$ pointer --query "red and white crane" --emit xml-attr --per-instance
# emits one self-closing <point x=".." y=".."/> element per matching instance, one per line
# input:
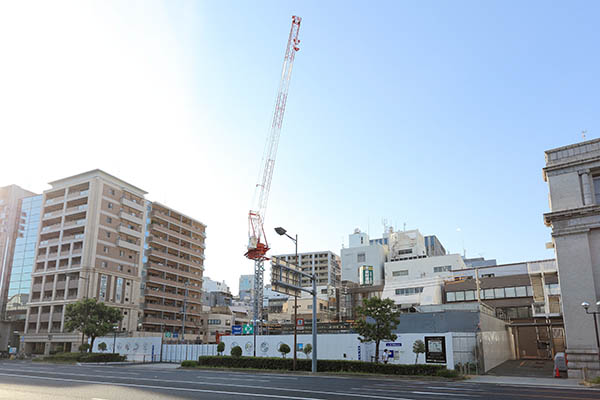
<point x="257" y="241"/>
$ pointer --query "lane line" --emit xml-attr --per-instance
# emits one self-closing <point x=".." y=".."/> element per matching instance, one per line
<point x="444" y="394"/>
<point x="347" y="394"/>
<point x="165" y="387"/>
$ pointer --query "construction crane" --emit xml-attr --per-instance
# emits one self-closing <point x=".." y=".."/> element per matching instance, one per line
<point x="257" y="241"/>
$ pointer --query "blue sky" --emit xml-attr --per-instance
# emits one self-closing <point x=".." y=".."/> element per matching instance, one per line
<point x="433" y="114"/>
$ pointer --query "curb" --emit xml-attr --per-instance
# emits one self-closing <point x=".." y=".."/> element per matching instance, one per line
<point x="108" y="363"/>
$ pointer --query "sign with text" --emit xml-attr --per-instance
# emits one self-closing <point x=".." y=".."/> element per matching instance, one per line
<point x="286" y="278"/>
<point x="435" y="349"/>
<point x="236" y="330"/>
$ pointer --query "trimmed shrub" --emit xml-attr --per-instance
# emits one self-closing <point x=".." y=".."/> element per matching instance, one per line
<point x="102" y="346"/>
<point x="221" y="348"/>
<point x="448" y="373"/>
<point x="324" y="366"/>
<point x="284" y="349"/>
<point x="236" y="352"/>
<point x="83" y="357"/>
<point x="84" y="347"/>
<point x="189" y="364"/>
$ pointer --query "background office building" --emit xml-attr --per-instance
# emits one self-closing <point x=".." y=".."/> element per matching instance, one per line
<point x="246" y="284"/>
<point x="10" y="223"/>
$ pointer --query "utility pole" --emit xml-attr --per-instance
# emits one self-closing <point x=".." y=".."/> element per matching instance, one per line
<point x="314" y="320"/>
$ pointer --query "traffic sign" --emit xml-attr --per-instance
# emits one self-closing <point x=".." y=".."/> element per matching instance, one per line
<point x="167" y="334"/>
<point x="236" y="329"/>
<point x="175" y="334"/>
<point x="248" y="329"/>
<point x="300" y="322"/>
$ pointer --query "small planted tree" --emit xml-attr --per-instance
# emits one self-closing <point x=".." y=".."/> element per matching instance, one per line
<point x="102" y="346"/>
<point x="91" y="318"/>
<point x="284" y="349"/>
<point x="307" y="349"/>
<point x="84" y="347"/>
<point x="376" y="319"/>
<point x="418" y="348"/>
<point x="236" y="352"/>
<point x="220" y="348"/>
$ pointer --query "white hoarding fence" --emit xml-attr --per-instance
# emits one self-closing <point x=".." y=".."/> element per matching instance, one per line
<point x="138" y="349"/>
<point x="177" y="353"/>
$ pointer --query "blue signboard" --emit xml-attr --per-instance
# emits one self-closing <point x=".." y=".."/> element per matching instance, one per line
<point x="236" y="329"/>
<point x="393" y="344"/>
<point x="175" y="334"/>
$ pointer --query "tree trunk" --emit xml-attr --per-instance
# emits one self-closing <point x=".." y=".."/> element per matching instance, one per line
<point x="417" y="359"/>
<point x="91" y="343"/>
<point x="376" y="351"/>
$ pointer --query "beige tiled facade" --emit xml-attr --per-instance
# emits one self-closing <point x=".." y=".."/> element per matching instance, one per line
<point x="173" y="273"/>
<point x="90" y="244"/>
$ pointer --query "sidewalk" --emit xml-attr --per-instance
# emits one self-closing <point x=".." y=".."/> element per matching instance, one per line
<point x="515" y="380"/>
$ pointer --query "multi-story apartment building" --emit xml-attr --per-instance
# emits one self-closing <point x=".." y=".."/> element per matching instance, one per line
<point x="11" y="221"/>
<point x="326" y="264"/>
<point x="173" y="267"/>
<point x="573" y="176"/>
<point x="90" y="245"/>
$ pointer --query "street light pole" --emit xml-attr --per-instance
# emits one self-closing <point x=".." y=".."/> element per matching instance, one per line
<point x="314" y="321"/>
<point x="296" y="311"/>
<point x="184" y="311"/>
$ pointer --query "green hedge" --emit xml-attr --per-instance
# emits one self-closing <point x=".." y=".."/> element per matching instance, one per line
<point x="83" y="357"/>
<point x="322" y="365"/>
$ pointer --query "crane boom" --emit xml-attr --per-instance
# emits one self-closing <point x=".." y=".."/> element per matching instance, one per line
<point x="257" y="243"/>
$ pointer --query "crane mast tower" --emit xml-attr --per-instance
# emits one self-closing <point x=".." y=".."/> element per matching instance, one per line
<point x="257" y="241"/>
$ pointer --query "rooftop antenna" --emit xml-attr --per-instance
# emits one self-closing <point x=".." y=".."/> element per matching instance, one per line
<point x="583" y="132"/>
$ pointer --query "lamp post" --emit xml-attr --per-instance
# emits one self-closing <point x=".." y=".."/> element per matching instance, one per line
<point x="187" y="282"/>
<point x="586" y="307"/>
<point x="280" y="231"/>
<point x="115" y="329"/>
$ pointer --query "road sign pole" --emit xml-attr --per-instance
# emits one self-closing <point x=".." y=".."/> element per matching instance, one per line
<point x="296" y="310"/>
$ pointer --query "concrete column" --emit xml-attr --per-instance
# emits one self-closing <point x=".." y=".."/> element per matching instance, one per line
<point x="588" y="198"/>
<point x="51" y="319"/>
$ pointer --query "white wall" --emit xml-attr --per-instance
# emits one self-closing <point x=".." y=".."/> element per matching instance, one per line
<point x="135" y="348"/>
<point x="496" y="342"/>
<point x="338" y="346"/>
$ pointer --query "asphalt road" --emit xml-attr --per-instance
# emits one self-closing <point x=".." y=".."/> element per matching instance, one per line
<point x="25" y="380"/>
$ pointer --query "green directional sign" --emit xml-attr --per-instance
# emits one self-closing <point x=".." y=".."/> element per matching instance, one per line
<point x="248" y="329"/>
<point x="167" y="334"/>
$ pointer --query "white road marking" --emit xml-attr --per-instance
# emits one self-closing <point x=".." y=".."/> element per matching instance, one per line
<point x="444" y="394"/>
<point x="214" y="384"/>
<point x="164" y="387"/>
<point x="235" y="379"/>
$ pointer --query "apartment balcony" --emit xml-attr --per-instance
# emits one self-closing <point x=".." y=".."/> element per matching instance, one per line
<point x="60" y="285"/>
<point x="49" y="242"/>
<point x="171" y="257"/>
<point x="45" y="317"/>
<point x="52" y="214"/>
<point x="169" y="322"/>
<point x="69" y="238"/>
<point x="78" y="222"/>
<point x="77" y="195"/>
<point x="55" y="200"/>
<point x="36" y="287"/>
<point x="130" y="232"/>
<point x="171" y="270"/>
<point x="75" y="209"/>
<point x="166" y="295"/>
<point x="73" y="283"/>
<point x="127" y="245"/>
<point x="132" y="204"/>
<point x="77" y="251"/>
<point x="169" y="282"/>
<point x="164" y="229"/>
<point x="162" y="307"/>
<point x="165" y="217"/>
<point x="131" y="217"/>
<point x="172" y="245"/>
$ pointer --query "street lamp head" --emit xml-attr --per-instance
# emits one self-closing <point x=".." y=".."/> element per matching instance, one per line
<point x="280" y="231"/>
<point x="585" y="305"/>
<point x="598" y="304"/>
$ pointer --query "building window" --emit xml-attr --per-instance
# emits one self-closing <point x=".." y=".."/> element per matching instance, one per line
<point x="361" y="257"/>
<point x="107" y="234"/>
<point x="108" y="220"/>
<point x="499" y="293"/>
<point x="409" y="291"/>
<point x="460" y="296"/>
<point x="105" y="249"/>
<point x="510" y="292"/>
<point x="596" y="181"/>
<point x="119" y="290"/>
<point x="450" y="297"/>
<point x="444" y="268"/>
<point x="104" y="264"/>
<point x="402" y="272"/>
<point x="469" y="295"/>
<point x="112" y="192"/>
<point x="110" y="205"/>
<point x="488" y="294"/>
<point x="521" y="291"/>
<point x="405" y="251"/>
<point x="121" y="253"/>
<point x="103" y="281"/>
